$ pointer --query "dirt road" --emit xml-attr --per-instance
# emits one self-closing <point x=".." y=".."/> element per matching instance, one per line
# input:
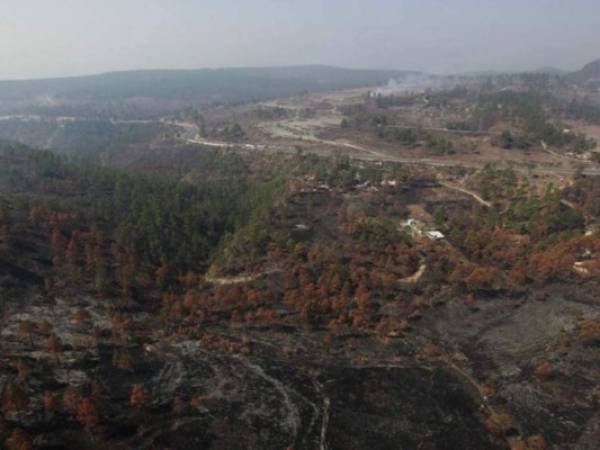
<point x="475" y="195"/>
<point x="368" y="154"/>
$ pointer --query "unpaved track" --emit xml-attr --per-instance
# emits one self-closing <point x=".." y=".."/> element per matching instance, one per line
<point x="414" y="278"/>
<point x="475" y="195"/>
<point x="238" y="279"/>
<point x="367" y="154"/>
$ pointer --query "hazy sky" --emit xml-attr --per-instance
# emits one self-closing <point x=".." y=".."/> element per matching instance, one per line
<point x="41" y="38"/>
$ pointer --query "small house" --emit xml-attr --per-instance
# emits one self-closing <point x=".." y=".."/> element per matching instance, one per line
<point x="435" y="235"/>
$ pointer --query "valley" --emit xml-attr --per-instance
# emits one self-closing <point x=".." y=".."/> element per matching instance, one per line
<point x="331" y="269"/>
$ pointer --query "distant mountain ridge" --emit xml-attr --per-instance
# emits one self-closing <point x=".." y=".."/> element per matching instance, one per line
<point x="589" y="73"/>
<point x="174" y="87"/>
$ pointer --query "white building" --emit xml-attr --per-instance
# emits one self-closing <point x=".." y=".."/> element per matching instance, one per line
<point x="434" y="235"/>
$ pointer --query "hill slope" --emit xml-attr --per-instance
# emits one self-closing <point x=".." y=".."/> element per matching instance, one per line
<point x="168" y="89"/>
<point x="589" y="73"/>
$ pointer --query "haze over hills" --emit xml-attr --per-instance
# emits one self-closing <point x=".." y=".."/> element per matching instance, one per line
<point x="98" y="113"/>
<point x="202" y="259"/>
<point x="551" y="71"/>
<point x="301" y="225"/>
<point x="590" y="72"/>
<point x="174" y="87"/>
<point x="228" y="226"/>
<point x="209" y="86"/>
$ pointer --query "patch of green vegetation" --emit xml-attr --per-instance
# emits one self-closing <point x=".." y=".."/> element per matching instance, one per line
<point x="526" y="110"/>
<point x="378" y="233"/>
<point x="86" y="139"/>
<point x="159" y="218"/>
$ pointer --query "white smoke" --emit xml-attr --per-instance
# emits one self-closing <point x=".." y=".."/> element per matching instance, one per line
<point x="414" y="83"/>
